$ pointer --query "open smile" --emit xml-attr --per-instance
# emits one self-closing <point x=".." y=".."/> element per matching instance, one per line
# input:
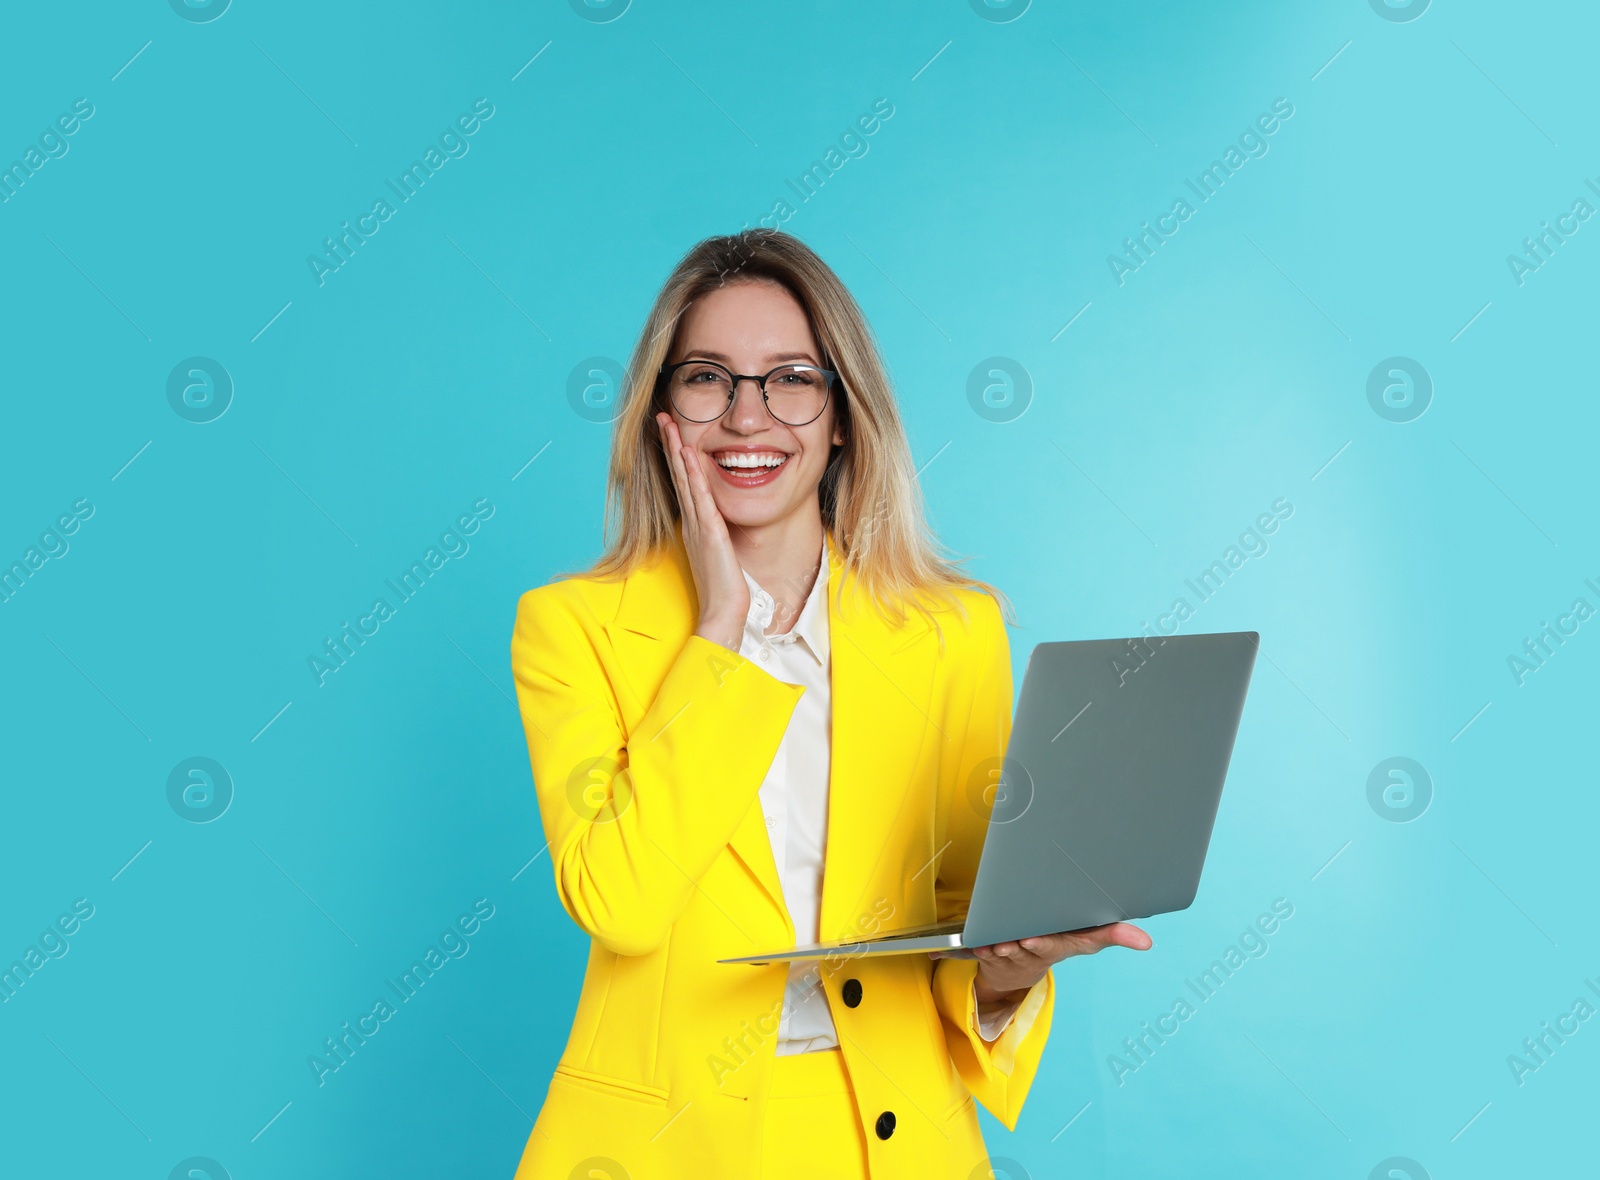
<point x="750" y="468"/>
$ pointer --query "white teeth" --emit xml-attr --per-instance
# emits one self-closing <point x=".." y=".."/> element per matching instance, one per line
<point x="744" y="460"/>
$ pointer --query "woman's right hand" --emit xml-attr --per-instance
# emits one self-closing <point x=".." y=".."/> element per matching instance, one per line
<point x="718" y="576"/>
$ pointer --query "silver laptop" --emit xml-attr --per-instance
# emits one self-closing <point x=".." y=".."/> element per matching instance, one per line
<point x="1106" y="797"/>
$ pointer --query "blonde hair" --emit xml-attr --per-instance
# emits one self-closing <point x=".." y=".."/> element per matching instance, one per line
<point x="869" y="495"/>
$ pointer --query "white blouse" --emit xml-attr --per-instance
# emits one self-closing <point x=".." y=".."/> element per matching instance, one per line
<point x="794" y="801"/>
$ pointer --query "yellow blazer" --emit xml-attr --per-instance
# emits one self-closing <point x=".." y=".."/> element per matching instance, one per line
<point x="649" y="745"/>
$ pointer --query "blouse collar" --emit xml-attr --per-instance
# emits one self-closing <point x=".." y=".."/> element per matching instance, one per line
<point x="812" y="625"/>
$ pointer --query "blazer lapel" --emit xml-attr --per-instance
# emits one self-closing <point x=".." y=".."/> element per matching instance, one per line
<point x="882" y="688"/>
<point x="882" y="685"/>
<point x="654" y="620"/>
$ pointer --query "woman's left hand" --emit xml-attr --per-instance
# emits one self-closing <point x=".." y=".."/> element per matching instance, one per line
<point x="1008" y="967"/>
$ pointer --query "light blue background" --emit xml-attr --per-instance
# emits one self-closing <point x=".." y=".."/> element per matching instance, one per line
<point x="1229" y="371"/>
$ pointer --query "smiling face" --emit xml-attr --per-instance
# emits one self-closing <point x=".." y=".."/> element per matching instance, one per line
<point x="754" y="326"/>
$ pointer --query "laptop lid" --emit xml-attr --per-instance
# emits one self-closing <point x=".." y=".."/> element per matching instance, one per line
<point x="1109" y="788"/>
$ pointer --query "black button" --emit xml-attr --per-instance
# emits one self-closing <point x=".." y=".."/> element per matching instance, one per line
<point x="852" y="993"/>
<point x="885" y="1124"/>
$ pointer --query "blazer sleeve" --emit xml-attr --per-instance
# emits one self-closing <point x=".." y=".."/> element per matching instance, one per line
<point x="999" y="1073"/>
<point x="634" y="820"/>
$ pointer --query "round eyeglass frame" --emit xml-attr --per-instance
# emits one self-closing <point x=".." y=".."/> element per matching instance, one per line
<point x="829" y="376"/>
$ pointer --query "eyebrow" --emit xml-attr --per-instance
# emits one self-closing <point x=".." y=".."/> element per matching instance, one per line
<point x="777" y="359"/>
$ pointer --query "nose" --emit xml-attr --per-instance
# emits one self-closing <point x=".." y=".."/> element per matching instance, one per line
<point x="748" y="413"/>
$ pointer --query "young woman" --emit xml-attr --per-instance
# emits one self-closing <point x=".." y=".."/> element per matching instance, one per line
<point x="772" y="713"/>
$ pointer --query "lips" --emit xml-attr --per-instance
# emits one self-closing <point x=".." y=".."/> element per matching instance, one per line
<point x="750" y="468"/>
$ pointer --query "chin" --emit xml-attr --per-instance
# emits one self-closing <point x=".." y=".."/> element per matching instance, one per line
<point x="750" y="516"/>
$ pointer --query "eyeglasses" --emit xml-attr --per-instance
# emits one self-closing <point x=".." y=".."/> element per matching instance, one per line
<point x="702" y="391"/>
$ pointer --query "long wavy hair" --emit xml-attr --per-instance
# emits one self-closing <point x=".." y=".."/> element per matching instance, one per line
<point x="869" y="495"/>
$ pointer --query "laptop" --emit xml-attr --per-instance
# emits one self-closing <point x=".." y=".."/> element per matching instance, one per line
<point x="1104" y="803"/>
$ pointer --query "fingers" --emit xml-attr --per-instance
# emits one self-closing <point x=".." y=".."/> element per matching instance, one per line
<point x="1111" y="934"/>
<point x="1052" y="948"/>
<point x="1056" y="947"/>
<point x="1002" y="950"/>
<point x="672" y="444"/>
<point x="719" y="582"/>
<point x="1128" y="935"/>
<point x="705" y="504"/>
<point x="1008" y="967"/>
